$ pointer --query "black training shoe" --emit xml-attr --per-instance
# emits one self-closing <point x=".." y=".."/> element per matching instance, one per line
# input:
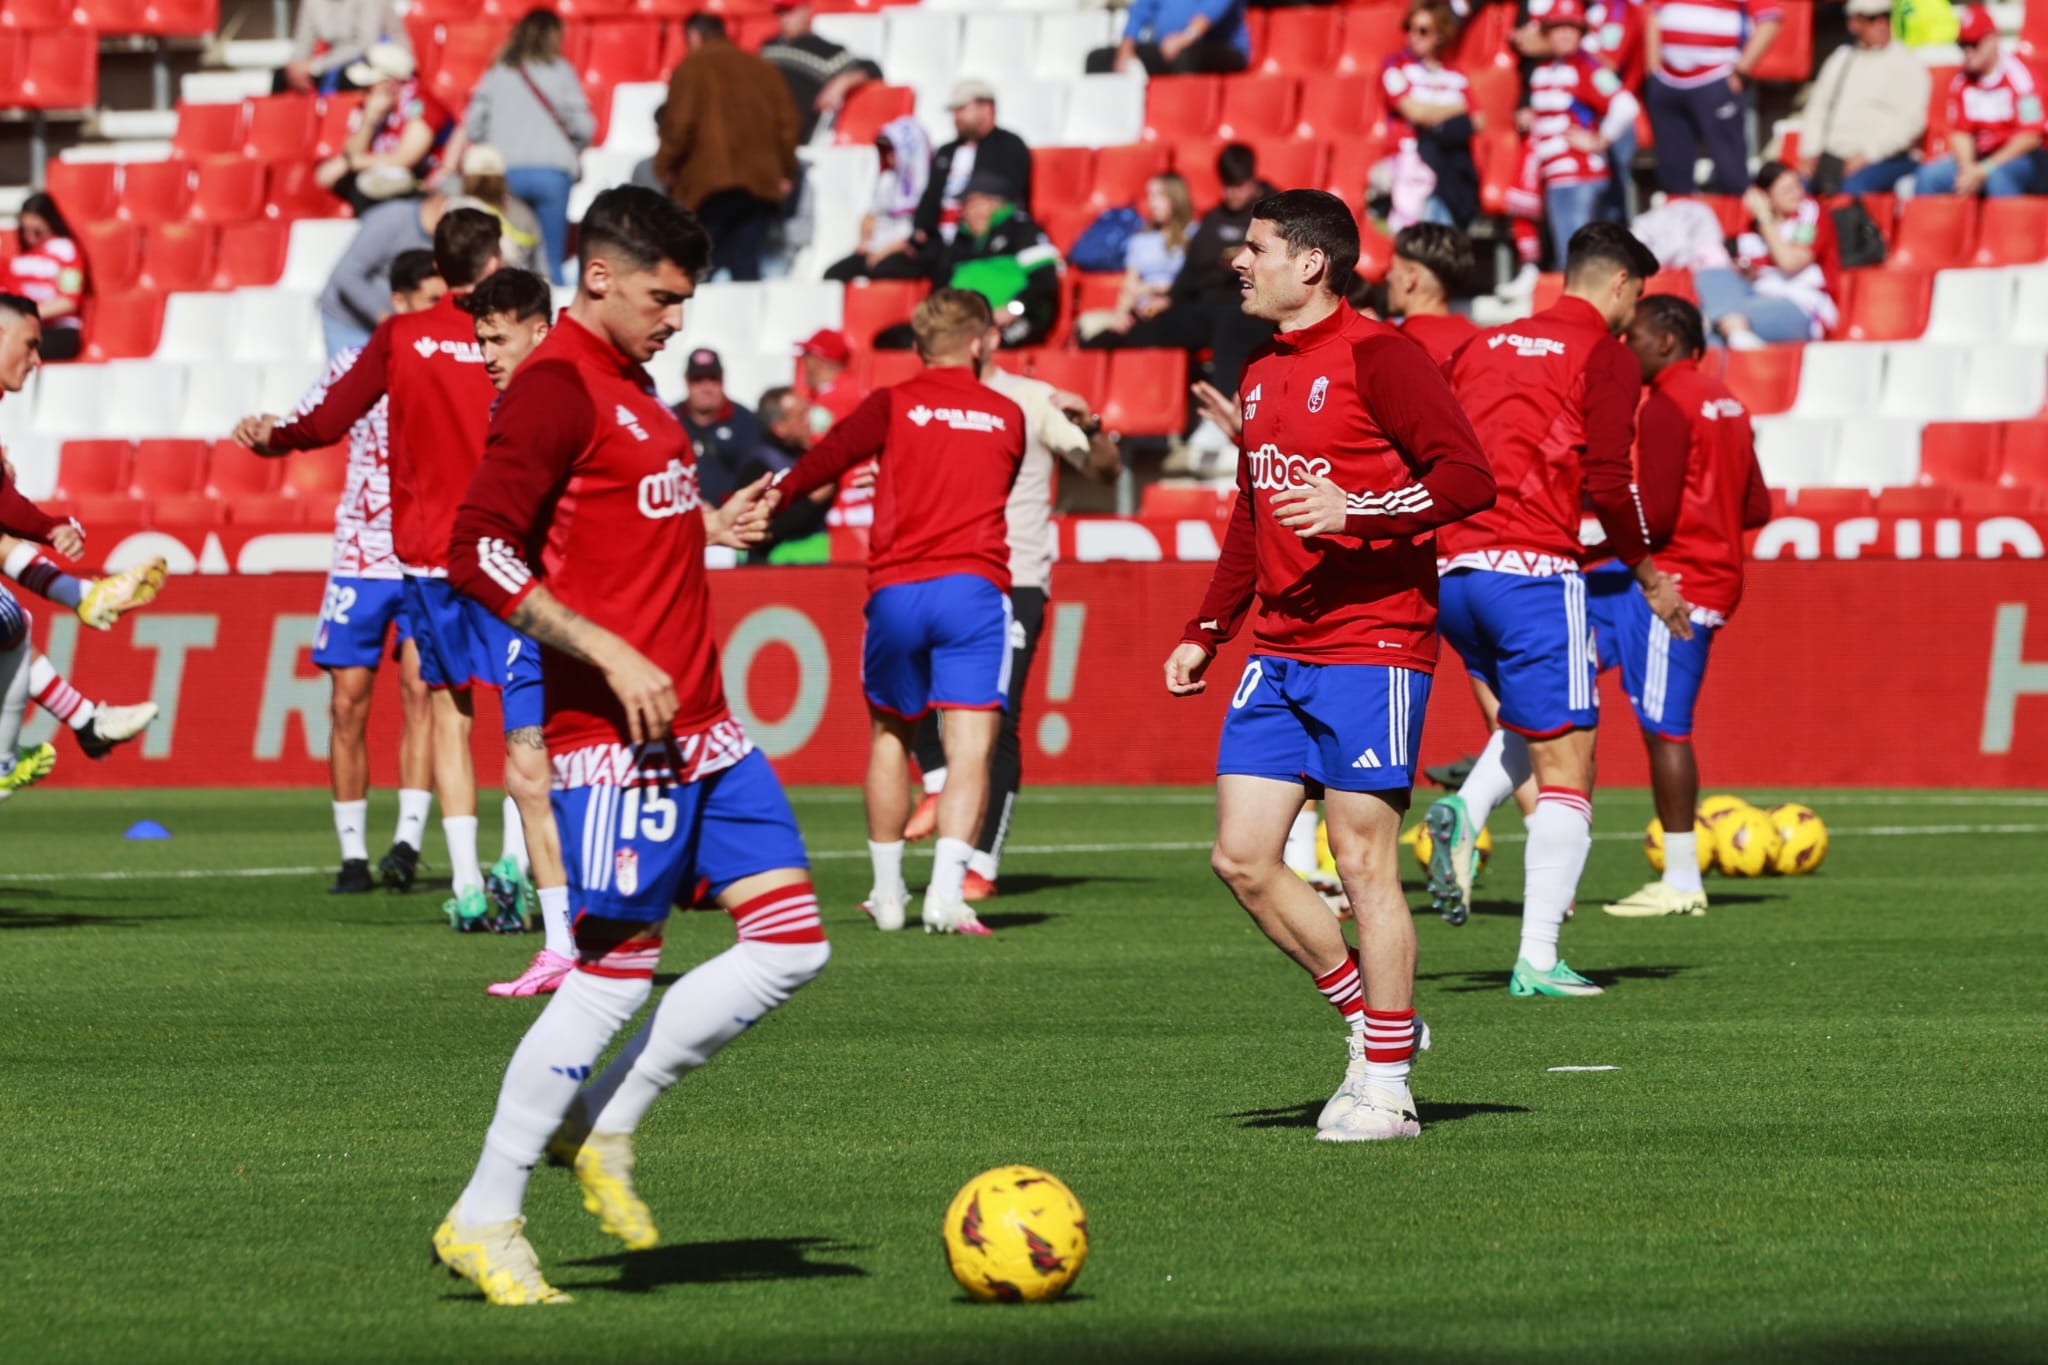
<point x="1451" y="776"/>
<point x="354" y="879"/>
<point x="399" y="868"/>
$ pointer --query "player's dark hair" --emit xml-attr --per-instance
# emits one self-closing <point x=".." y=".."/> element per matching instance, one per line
<point x="702" y="26"/>
<point x="45" y="208"/>
<point x="1315" y="220"/>
<point x="641" y="228"/>
<point x="773" y="402"/>
<point x="1440" y="249"/>
<point x="521" y="293"/>
<point x="465" y="242"/>
<point x="1237" y="164"/>
<point x="15" y="307"/>
<point x="1610" y="245"/>
<point x="1676" y="318"/>
<point x="411" y="269"/>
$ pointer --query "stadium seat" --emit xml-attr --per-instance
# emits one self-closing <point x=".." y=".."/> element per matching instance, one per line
<point x="113" y="514"/>
<point x="1060" y="176"/>
<point x="1293" y="160"/>
<point x="2022" y="456"/>
<point x="996" y="42"/>
<point x="1496" y="90"/>
<point x="251" y="253"/>
<point x="180" y="18"/>
<point x="1796" y="452"/>
<point x="273" y="324"/>
<point x="168" y="468"/>
<point x="1033" y="109"/>
<point x="1789" y="58"/>
<point x="1485" y="40"/>
<point x="1889" y="304"/>
<point x="1105" y="111"/>
<point x="208" y="130"/>
<point x="1350" y="165"/>
<point x="466" y="52"/>
<point x="1254" y="107"/>
<point x="84" y="190"/>
<point x="1082" y="372"/>
<point x="125" y="326"/>
<point x="1872" y="452"/>
<point x="1194" y="160"/>
<point x="156" y="191"/>
<point x="1147" y="393"/>
<point x="1065" y="225"/>
<point x="234" y="472"/>
<point x="294" y="194"/>
<point x="2012" y="231"/>
<point x="179" y="256"/>
<point x="793" y="309"/>
<point x="1923" y="381"/>
<point x="1935" y="230"/>
<point x="620" y="50"/>
<point x="189" y="510"/>
<point x="69" y="399"/>
<point x="113" y="253"/>
<point x="1833" y="502"/>
<point x="1093" y="290"/>
<point x="2005" y="382"/>
<point x="1120" y="173"/>
<point x="60" y="70"/>
<point x="310" y="474"/>
<point x="725" y="317"/>
<point x="1065" y="40"/>
<point x="630" y="128"/>
<point x="1339" y="107"/>
<point x="36" y="14"/>
<point x="142" y="398"/>
<point x="1179" y="107"/>
<point x="1372" y="33"/>
<point x="920" y="46"/>
<point x="217" y="397"/>
<point x="1299" y="41"/>
<point x="278" y="128"/>
<point x="884" y="368"/>
<point x="93" y="468"/>
<point x="1675" y="281"/>
<point x="334" y="116"/>
<point x="266" y="509"/>
<point x="860" y="34"/>
<point x="868" y="108"/>
<point x="1767" y="381"/>
<point x="196" y="327"/>
<point x="285" y="382"/>
<point x="1837" y="379"/>
<point x="1954" y="453"/>
<point x="1971" y="305"/>
<point x="1375" y="252"/>
<point x="228" y="189"/>
<point x="314" y="248"/>
<point x="1921" y="500"/>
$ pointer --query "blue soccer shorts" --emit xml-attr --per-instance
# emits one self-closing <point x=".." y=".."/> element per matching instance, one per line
<point x="1347" y="727"/>
<point x="460" y="643"/>
<point x="356" y="616"/>
<point x="522" y="700"/>
<point x="633" y="852"/>
<point x="1529" y="640"/>
<point x="1661" y="674"/>
<point x="942" y="643"/>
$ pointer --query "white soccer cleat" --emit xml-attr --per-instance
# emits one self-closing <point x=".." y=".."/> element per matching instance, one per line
<point x="887" y="911"/>
<point x="112" y="725"/>
<point x="1656" y="900"/>
<point x="1355" y="1083"/>
<point x="953" y="917"/>
<point x="1376" y="1115"/>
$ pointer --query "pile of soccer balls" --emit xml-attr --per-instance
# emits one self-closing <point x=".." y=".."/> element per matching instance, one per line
<point x="1741" y="840"/>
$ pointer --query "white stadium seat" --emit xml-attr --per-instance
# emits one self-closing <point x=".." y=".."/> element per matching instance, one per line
<point x="1104" y="111"/>
<point x="70" y="399"/>
<point x="603" y="167"/>
<point x="196" y="327"/>
<point x="18" y="410"/>
<point x="223" y="87"/>
<point x="1971" y="305"/>
<point x="996" y="43"/>
<point x="933" y="115"/>
<point x="275" y="324"/>
<point x="1034" y="110"/>
<point x="1065" y="40"/>
<point x="725" y="317"/>
<point x="838" y="188"/>
<point x="285" y="382"/>
<point x="749" y="374"/>
<point x="920" y="48"/>
<point x="2006" y="383"/>
<point x="140" y="398"/>
<point x="1796" y="452"/>
<point x="1921" y="380"/>
<point x="793" y="309"/>
<point x="1840" y="379"/>
<point x="2030" y="304"/>
<point x="1876" y="453"/>
<point x="860" y="34"/>
<point x="633" y="107"/>
<point x="217" y="397"/>
<point x="316" y="246"/>
<point x="34" y="458"/>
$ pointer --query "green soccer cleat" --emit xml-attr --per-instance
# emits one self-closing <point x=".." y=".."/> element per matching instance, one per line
<point x="1559" y="980"/>
<point x="511" y="895"/>
<point x="1453" y="857"/>
<point x="468" y="913"/>
<point x="30" y="767"/>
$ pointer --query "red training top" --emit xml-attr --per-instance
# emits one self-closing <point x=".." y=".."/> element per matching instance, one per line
<point x="23" y="519"/>
<point x="1440" y="334"/>
<point x="1723" y="493"/>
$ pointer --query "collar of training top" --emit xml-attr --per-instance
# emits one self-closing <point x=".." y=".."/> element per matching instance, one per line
<point x="1569" y="304"/>
<point x="1319" y="331"/>
<point x="595" y="347"/>
<point x="1673" y="371"/>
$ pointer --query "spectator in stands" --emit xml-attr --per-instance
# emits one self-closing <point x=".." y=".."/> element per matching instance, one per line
<point x="1152" y="260"/>
<point x="484" y="186"/>
<point x="1178" y="37"/>
<point x="1002" y="255"/>
<point x="980" y="146"/>
<point x="1700" y="54"/>
<point x="826" y="357"/>
<point x="332" y="35"/>
<point x="1578" y="110"/>
<point x="1782" y="286"/>
<point x="728" y="143"/>
<point x="821" y="73"/>
<point x="398" y="137"/>
<point x="1867" y="112"/>
<point x="358" y="295"/>
<point x="1431" y="175"/>
<point x="1432" y="265"/>
<point x="888" y="229"/>
<point x="49" y="271"/>
<point x="796" y="533"/>
<point x="1994" y="120"/>
<point x="724" y="433"/>
<point x="531" y="107"/>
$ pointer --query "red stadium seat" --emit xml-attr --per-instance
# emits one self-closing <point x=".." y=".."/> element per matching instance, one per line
<point x="1372" y="33"/>
<point x="1121" y="172"/>
<point x="84" y="190"/>
<point x="1938" y="78"/>
<point x="1065" y="225"/>
<point x="180" y="18"/>
<point x="1833" y="502"/>
<point x="622" y="50"/>
<point x="271" y="509"/>
<point x="1484" y="40"/>
<point x="278" y="128"/>
<point x="36" y="14"/>
<point x="1181" y="107"/>
<point x="1727" y="208"/>
<point x="1089" y="291"/>
<point x="1194" y="160"/>
<point x="1767" y="380"/>
<point x="1935" y="231"/>
<point x="1997" y="500"/>
<point x="1256" y="107"/>
<point x="1923" y="501"/>
<point x="1375" y="251"/>
<point x="1549" y="289"/>
<point x="113" y="513"/>
<point x="13" y="65"/>
<point x="1497" y="156"/>
<point x="1673" y="280"/>
<point x="1339" y="107"/>
<point x="1889" y="303"/>
<point x="872" y="305"/>
<point x="1351" y="163"/>
<point x="1496" y="90"/>
<point x="60" y="70"/>
<point x="156" y="191"/>
<point x="1299" y="41"/>
<point x="890" y="367"/>
<point x="1147" y="393"/>
<point x="179" y="256"/>
<point x="192" y="510"/>
<point x="868" y="108"/>
<point x="168" y="468"/>
<point x="251" y="253"/>
<point x="208" y="129"/>
<point x="1789" y="58"/>
<point x="294" y="193"/>
<point x="233" y="471"/>
<point x="113" y="253"/>
<point x="466" y="52"/>
<point x="1082" y="372"/>
<point x="2022" y="462"/>
<point x="2012" y="232"/>
<point x="1177" y="502"/>
<point x="1060" y="176"/>
<point x="1294" y="162"/>
<point x="114" y="16"/>
<point x="311" y="474"/>
<point x="93" y="468"/>
<point x="1955" y="453"/>
<point x="333" y="118"/>
<point x="124" y="326"/>
<point x="228" y="189"/>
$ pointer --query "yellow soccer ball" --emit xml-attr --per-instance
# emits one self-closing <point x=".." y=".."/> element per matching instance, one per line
<point x="1714" y="808"/>
<point x="1703" y="842"/>
<point x="1746" y="844"/>
<point x="1015" y="1235"/>
<point x="1421" y="845"/>
<point x="1802" y="839"/>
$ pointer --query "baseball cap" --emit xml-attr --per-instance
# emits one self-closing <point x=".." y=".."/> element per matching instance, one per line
<point x="704" y="364"/>
<point x="990" y="182"/>
<point x="1562" y="12"/>
<point x="383" y="62"/>
<point x="1976" y="24"/>
<point x="967" y="92"/>
<point x="826" y="344"/>
<point x="481" y="158"/>
<point x="1868" y="9"/>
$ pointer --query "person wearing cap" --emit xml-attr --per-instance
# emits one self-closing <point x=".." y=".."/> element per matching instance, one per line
<point x="1179" y="37"/>
<point x="1867" y="114"/>
<point x="728" y="143"/>
<point x="821" y="73"/>
<point x="724" y="434"/>
<point x="980" y="146"/>
<point x="825" y="357"/>
<point x="531" y="107"/>
<point x="484" y="186"/>
<point x="398" y="137"/>
<point x="1578" y="110"/>
<point x="1994" y="121"/>
<point x="332" y="35"/>
<point x="1002" y="255"/>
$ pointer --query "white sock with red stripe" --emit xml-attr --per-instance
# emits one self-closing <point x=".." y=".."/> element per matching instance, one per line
<point x="1390" y="1037"/>
<point x="949" y="870"/>
<point x="1342" y="988"/>
<point x="27" y="565"/>
<point x="56" y="695"/>
<point x="1560" y="837"/>
<point x="1300" y="852"/>
<point x="1502" y="766"/>
<point x="782" y="946"/>
<point x="464" y="873"/>
<point x="552" y="1062"/>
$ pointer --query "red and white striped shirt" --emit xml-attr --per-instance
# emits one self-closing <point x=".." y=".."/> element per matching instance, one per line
<point x="1994" y="109"/>
<point x="1405" y="77"/>
<point x="1571" y="92"/>
<point x="1700" y="41"/>
<point x="362" y="519"/>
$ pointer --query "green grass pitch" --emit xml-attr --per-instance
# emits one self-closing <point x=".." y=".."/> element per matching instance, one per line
<point x="234" y="1108"/>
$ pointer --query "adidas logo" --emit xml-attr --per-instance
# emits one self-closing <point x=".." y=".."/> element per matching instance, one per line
<point x="631" y="423"/>
<point x="1368" y="759"/>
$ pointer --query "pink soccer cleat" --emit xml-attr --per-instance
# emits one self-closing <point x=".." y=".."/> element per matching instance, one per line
<point x="544" y="976"/>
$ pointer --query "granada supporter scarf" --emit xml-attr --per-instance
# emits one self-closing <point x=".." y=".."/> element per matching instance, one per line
<point x="1000" y="279"/>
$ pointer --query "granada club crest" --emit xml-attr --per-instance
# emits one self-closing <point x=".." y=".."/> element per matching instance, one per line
<point x="1317" y="392"/>
<point x="626" y="871"/>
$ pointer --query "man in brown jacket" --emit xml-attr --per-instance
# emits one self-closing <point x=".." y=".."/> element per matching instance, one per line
<point x="728" y="143"/>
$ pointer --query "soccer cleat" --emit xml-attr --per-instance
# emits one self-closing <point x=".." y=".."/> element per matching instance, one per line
<point x="956" y="918"/>
<point x="924" y="820"/>
<point x="398" y="868"/>
<point x="468" y="913"/>
<point x="1659" y="898"/>
<point x="978" y="888"/>
<point x="497" y="1259"/>
<point x="603" y="1163"/>
<point x="543" y="976"/>
<point x="1559" y="980"/>
<point x="887" y="911"/>
<point x="30" y="767"/>
<point x="354" y="879"/>
<point x="108" y="597"/>
<point x="1374" y="1116"/>
<point x="112" y="725"/>
<point x="1451" y="776"/>
<point x="511" y="895"/>
<point x="1355" y="1083"/>
<point x="1453" y="852"/>
<point x="1339" y="903"/>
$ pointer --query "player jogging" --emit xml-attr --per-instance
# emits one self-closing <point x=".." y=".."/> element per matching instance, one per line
<point x="583" y="528"/>
<point x="938" y="613"/>
<point x="1554" y="399"/>
<point x="1355" y="451"/>
<point x="99" y="727"/>
<point x="1693" y="425"/>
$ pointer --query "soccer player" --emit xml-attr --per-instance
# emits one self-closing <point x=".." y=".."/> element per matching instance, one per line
<point x="1354" y="452"/>
<point x="99" y="602"/>
<point x="1432" y="265"/>
<point x="511" y="309"/>
<point x="939" y="620"/>
<point x="363" y="604"/>
<point x="430" y="366"/>
<point x="583" y="529"/>
<point x="1693" y="426"/>
<point x="1058" y="427"/>
<point x="1554" y="399"/>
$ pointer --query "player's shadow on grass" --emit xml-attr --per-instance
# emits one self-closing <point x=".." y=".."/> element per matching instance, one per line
<point x="1024" y="883"/>
<point x="13" y="917"/>
<point x="1494" y="981"/>
<point x="754" y="1258"/>
<point x="1303" y="1115"/>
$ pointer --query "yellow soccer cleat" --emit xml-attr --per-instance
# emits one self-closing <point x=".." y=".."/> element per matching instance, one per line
<point x="603" y="1164"/>
<point x="1657" y="900"/>
<point x="30" y="767"/>
<point x="133" y="587"/>
<point x="497" y="1259"/>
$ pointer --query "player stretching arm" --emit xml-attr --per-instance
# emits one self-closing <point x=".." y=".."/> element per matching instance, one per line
<point x="1355" y="450"/>
<point x="583" y="528"/>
